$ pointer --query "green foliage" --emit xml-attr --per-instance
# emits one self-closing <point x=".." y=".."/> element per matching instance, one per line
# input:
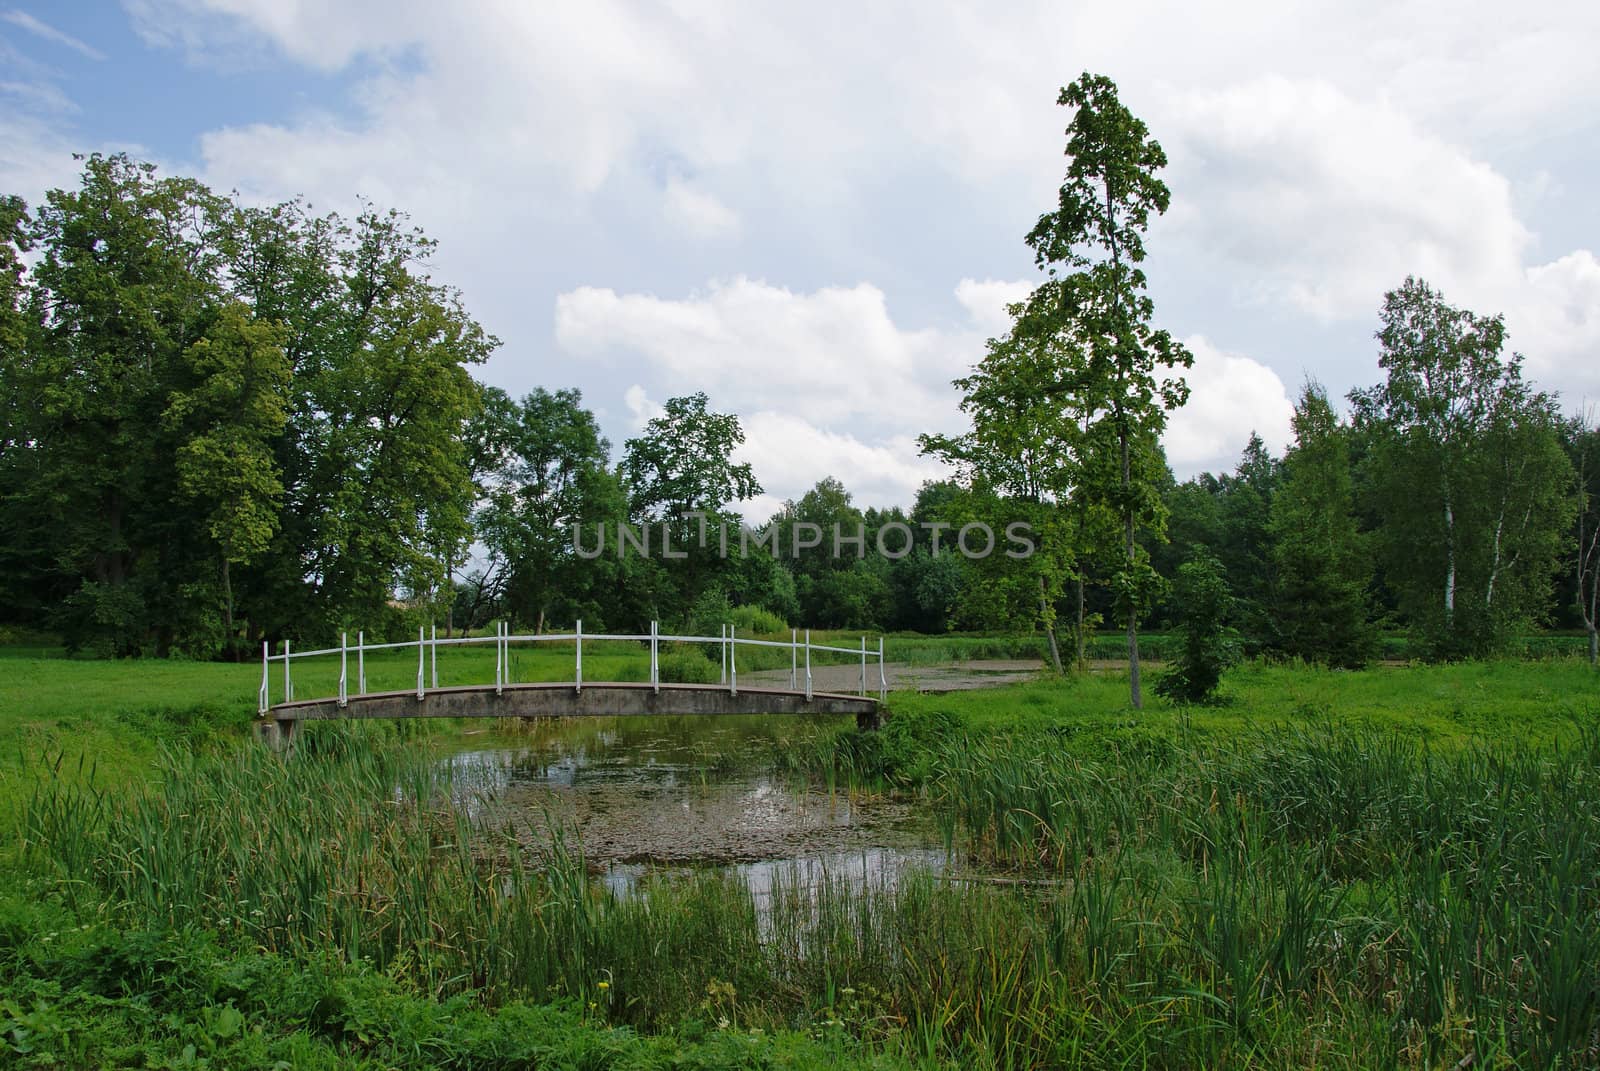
<point x="1118" y="381"/>
<point x="1321" y="566"/>
<point x="225" y="420"/>
<point x="1207" y="643"/>
<point x="544" y="472"/>
<point x="1466" y="473"/>
<point x="756" y="621"/>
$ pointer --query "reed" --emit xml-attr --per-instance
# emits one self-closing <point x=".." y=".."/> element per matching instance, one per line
<point x="1347" y="898"/>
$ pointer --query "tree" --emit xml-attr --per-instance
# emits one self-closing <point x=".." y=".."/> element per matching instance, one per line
<point x="375" y="460"/>
<point x="1585" y="450"/>
<point x="230" y="419"/>
<point x="681" y="466"/>
<point x="128" y="279"/>
<point x="1467" y="468"/>
<point x="221" y="421"/>
<point x="1246" y="550"/>
<point x="1024" y="452"/>
<point x="1321" y="566"/>
<point x="546" y="483"/>
<point x="1100" y="306"/>
<point x="1207" y="645"/>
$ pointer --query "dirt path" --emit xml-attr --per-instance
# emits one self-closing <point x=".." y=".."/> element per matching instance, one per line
<point x="950" y="677"/>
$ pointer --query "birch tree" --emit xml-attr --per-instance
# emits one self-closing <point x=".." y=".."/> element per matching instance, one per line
<point x="1585" y="449"/>
<point x="1468" y="471"/>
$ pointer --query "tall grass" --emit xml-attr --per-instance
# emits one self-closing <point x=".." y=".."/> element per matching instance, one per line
<point x="1343" y="899"/>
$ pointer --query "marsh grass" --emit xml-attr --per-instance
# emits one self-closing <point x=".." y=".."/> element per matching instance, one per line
<point x="1348" y="898"/>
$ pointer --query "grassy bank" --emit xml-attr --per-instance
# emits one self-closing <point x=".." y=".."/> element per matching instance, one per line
<point x="1399" y="867"/>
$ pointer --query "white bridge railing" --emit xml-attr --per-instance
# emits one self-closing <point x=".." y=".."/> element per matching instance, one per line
<point x="427" y="646"/>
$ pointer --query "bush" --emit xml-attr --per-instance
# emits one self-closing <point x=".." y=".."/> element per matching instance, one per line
<point x="1206" y="645"/>
<point x="688" y="666"/>
<point x="756" y="621"/>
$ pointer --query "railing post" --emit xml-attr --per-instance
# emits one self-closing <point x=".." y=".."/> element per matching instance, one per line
<point x="722" y="642"/>
<point x="655" y="657"/>
<point x="434" y="630"/>
<point x="361" y="663"/>
<point x="263" y="700"/>
<point x="808" y="665"/>
<point x="499" y="657"/>
<point x="288" y="683"/>
<point x="794" y="659"/>
<point x="344" y="668"/>
<point x="863" y="666"/>
<point x="883" y="682"/>
<point x="422" y="650"/>
<point x="578" y="683"/>
<point x="733" y="663"/>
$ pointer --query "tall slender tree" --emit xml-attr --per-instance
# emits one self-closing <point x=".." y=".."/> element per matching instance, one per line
<point x="1321" y="566"/>
<point x="1124" y="375"/>
<point x="1584" y="445"/>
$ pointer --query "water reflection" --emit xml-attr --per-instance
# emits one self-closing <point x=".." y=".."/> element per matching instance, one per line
<point x="652" y="796"/>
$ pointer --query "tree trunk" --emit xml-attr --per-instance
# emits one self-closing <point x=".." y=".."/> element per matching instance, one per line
<point x="230" y="650"/>
<point x="1049" y="620"/>
<point x="1594" y="646"/>
<point x="1082" y="660"/>
<point x="1135" y="690"/>
<point x="1450" y="561"/>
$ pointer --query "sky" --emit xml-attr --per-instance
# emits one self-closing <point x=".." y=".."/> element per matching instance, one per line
<point x="814" y="213"/>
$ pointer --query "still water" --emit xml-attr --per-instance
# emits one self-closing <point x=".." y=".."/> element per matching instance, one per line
<point x="648" y="798"/>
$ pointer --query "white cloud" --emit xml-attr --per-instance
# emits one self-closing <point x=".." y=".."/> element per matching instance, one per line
<point x="1325" y="200"/>
<point x="1554" y="320"/>
<point x="39" y="28"/>
<point x="697" y="212"/>
<point x="833" y="355"/>
<point x="1229" y="397"/>
<point x="640" y="407"/>
<point x="986" y="302"/>
<point x="789" y="455"/>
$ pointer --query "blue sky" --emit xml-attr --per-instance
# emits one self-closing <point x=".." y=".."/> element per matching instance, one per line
<point x="814" y="213"/>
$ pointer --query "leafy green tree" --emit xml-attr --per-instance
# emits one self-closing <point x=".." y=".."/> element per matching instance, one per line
<point x="548" y="481"/>
<point x="1468" y="474"/>
<point x="1120" y="364"/>
<point x="684" y="462"/>
<point x="230" y="418"/>
<point x="375" y="459"/>
<point x="1021" y="457"/>
<point x="29" y="579"/>
<point x="682" y="479"/>
<point x="1207" y="644"/>
<point x="126" y="282"/>
<point x="1322" y="569"/>
<point x="1584" y="449"/>
<point x="1246" y="549"/>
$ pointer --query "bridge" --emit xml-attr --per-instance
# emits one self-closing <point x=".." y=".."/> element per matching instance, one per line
<point x="277" y="723"/>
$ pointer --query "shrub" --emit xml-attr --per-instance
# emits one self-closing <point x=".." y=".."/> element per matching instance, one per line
<point x="1206" y="645"/>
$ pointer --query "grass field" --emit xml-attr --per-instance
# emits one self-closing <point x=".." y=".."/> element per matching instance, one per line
<point x="1393" y="867"/>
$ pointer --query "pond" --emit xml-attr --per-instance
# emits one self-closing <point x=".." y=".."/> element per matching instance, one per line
<point x="647" y="798"/>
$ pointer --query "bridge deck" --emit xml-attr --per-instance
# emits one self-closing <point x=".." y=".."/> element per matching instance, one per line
<point x="566" y="700"/>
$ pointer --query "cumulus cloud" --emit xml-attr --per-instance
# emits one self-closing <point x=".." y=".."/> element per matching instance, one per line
<point x="790" y="454"/>
<point x="986" y="302"/>
<point x="834" y="355"/>
<point x="1229" y="397"/>
<point x="1324" y="200"/>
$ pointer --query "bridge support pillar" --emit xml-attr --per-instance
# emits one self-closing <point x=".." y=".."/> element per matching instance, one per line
<point x="869" y="720"/>
<point x="278" y="733"/>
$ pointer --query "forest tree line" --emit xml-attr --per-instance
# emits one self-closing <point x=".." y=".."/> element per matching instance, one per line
<point x="221" y="423"/>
